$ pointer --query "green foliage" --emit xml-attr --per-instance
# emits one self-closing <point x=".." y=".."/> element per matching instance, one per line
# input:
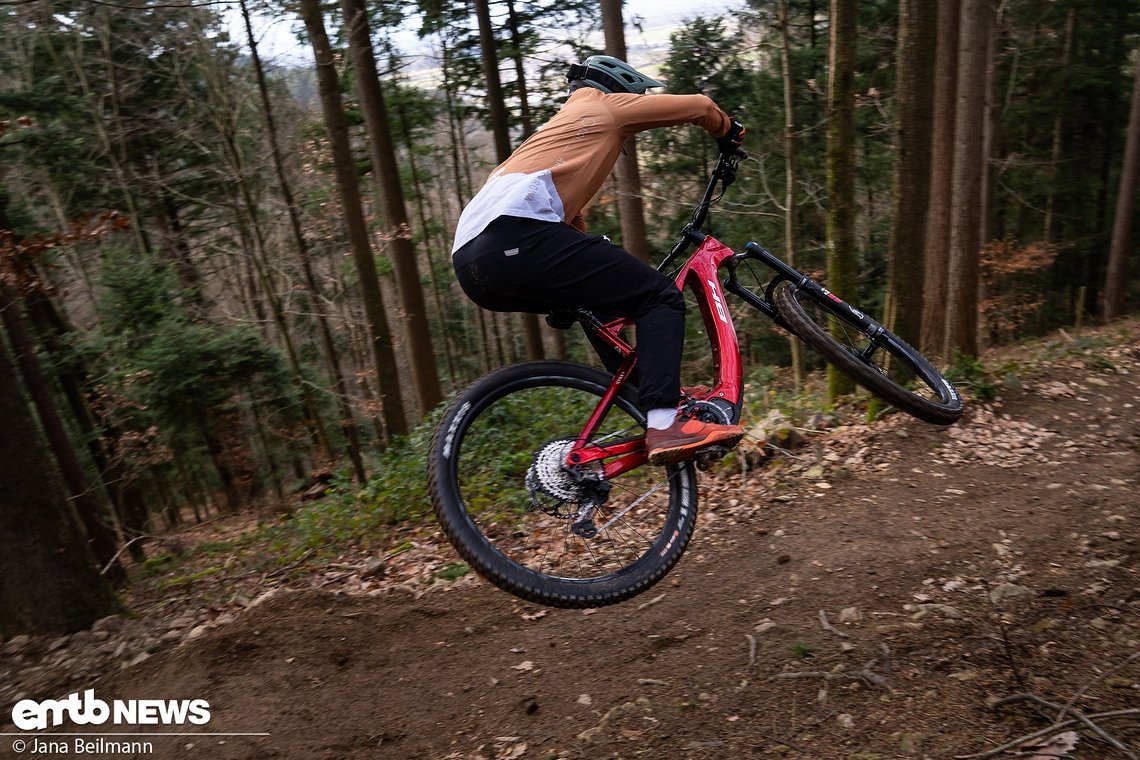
<point x="401" y="548"/>
<point x="355" y="514"/>
<point x="453" y="571"/>
<point x="172" y="365"/>
<point x="186" y="580"/>
<point x="159" y="564"/>
<point x="358" y="515"/>
<point x="704" y="56"/>
<point x="193" y="366"/>
<point x="969" y="373"/>
<point x="137" y="293"/>
<point x="802" y="650"/>
<point x="766" y="389"/>
<point x="174" y="381"/>
<point x="1081" y="345"/>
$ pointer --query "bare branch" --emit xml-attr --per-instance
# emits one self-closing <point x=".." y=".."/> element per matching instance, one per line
<point x="1080" y="692"/>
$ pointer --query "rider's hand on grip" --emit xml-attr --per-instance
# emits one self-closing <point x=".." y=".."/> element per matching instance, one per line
<point x="730" y="143"/>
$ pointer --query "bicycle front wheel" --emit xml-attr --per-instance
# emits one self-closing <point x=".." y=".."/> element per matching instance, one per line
<point x="564" y="537"/>
<point x="870" y="355"/>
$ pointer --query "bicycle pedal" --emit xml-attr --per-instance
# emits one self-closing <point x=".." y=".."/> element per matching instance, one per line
<point x="706" y="457"/>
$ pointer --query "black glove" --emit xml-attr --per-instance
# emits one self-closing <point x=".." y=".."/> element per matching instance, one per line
<point x="732" y="139"/>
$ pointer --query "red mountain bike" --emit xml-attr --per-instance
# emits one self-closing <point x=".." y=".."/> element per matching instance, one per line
<point x="538" y="471"/>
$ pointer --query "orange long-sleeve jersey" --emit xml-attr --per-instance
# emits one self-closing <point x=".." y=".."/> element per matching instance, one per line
<point x="556" y="171"/>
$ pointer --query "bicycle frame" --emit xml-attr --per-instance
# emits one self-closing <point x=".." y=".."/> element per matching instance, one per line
<point x="582" y="525"/>
<point x="699" y="273"/>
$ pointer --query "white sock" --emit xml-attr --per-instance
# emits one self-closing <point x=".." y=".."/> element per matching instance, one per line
<point x="662" y="418"/>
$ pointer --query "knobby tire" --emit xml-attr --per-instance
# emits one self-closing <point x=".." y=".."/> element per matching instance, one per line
<point x="483" y="452"/>
<point x="896" y="373"/>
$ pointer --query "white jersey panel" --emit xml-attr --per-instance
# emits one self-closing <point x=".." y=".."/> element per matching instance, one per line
<point x="531" y="196"/>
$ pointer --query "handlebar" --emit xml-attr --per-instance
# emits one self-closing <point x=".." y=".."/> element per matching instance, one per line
<point x="724" y="173"/>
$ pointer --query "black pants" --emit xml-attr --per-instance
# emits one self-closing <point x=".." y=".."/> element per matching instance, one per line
<point x="533" y="266"/>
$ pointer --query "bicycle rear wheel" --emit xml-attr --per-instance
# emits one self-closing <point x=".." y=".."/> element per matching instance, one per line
<point x="869" y="354"/>
<point x="508" y="504"/>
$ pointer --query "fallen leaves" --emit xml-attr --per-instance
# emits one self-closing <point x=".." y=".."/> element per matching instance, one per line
<point x="1056" y="746"/>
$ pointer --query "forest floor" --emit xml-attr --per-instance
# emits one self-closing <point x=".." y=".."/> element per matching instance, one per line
<point x="874" y="595"/>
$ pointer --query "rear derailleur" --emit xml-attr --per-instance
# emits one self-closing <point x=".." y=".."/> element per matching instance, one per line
<point x="595" y="490"/>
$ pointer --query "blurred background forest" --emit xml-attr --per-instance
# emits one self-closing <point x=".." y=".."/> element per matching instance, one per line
<point x="224" y="279"/>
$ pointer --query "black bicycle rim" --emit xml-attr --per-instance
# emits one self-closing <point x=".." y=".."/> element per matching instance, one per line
<point x="485" y="449"/>
<point x="883" y="363"/>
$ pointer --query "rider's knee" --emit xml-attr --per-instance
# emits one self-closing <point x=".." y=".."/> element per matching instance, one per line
<point x="671" y="298"/>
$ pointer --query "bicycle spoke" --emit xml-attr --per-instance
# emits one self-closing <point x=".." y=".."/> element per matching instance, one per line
<point x="870" y="355"/>
<point x="514" y="450"/>
<point x="870" y="351"/>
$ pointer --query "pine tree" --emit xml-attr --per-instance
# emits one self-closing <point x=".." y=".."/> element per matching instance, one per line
<point x="380" y="335"/>
<point x="48" y="579"/>
<point x="966" y="215"/>
<point x="841" y="254"/>
<point x="1116" y="279"/>
<point x="911" y="183"/>
<point x="386" y="175"/>
<point x="937" y="243"/>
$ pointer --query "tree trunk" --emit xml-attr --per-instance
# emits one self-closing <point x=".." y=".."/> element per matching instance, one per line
<point x="104" y="543"/>
<point x="500" y="129"/>
<point x="256" y="258"/>
<point x="532" y="333"/>
<point x="54" y="332"/>
<point x="534" y="328"/>
<point x="989" y="131"/>
<point x="520" y="71"/>
<point x="332" y="357"/>
<point x="423" y="212"/>
<point x="309" y="405"/>
<point x="630" y="207"/>
<point x="965" y="221"/>
<point x="911" y="182"/>
<point x="174" y="247"/>
<point x="841" y="256"/>
<point x="790" y="175"/>
<point x="386" y="175"/>
<point x="1116" y="279"/>
<point x="383" y="353"/>
<point x="941" y="179"/>
<point x="1047" y="232"/>
<point x="459" y="167"/>
<point x="48" y="579"/>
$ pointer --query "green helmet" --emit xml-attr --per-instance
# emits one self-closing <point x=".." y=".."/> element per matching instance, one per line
<point x="609" y="74"/>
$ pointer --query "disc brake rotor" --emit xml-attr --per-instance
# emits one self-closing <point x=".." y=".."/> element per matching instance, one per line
<point x="716" y="411"/>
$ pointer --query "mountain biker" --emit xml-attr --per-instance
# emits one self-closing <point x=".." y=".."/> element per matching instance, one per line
<point x="521" y="243"/>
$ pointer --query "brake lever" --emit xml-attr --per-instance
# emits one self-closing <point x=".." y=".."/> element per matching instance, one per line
<point x="728" y="166"/>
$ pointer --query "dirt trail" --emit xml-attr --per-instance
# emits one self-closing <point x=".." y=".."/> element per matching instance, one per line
<point x="951" y="566"/>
